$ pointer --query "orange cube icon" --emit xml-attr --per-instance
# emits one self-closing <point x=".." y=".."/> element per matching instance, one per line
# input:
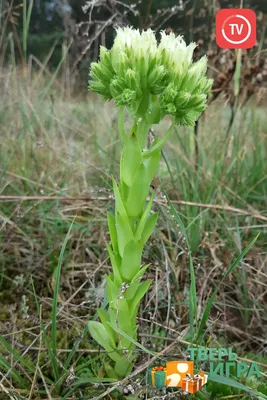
<point x="177" y="371"/>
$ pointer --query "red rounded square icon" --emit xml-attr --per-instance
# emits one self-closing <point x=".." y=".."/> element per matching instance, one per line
<point x="236" y="28"/>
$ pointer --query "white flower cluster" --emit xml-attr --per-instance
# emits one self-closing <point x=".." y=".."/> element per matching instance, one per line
<point x="152" y="79"/>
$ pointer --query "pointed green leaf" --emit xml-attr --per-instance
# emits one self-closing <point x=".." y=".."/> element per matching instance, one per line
<point x="138" y="192"/>
<point x="109" y="370"/>
<point x="124" y="232"/>
<point x="101" y="336"/>
<point x="112" y="231"/>
<point x="141" y="272"/>
<point x="148" y="228"/>
<point x="151" y="163"/>
<point x="123" y="317"/>
<point x="118" y="200"/>
<point x="131" y="260"/>
<point x="141" y="291"/>
<point x="104" y="317"/>
<point x="123" y="367"/>
<point x="130" y="292"/>
<point x="115" y="266"/>
<point x="126" y="343"/>
<point x="124" y="189"/>
<point x="144" y="217"/>
<point x="113" y="313"/>
<point x="131" y="159"/>
<point x="112" y="290"/>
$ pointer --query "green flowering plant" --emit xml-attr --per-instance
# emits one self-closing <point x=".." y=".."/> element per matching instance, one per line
<point x="149" y="81"/>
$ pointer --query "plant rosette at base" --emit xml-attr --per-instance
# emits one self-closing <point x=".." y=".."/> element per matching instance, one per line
<point x="148" y="81"/>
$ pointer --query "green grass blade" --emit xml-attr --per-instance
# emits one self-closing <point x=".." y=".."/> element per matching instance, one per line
<point x="84" y="382"/>
<point x="231" y="382"/>
<point x="45" y="338"/>
<point x="212" y="297"/>
<point x="74" y="349"/>
<point x="193" y="291"/>
<point x="92" y="379"/>
<point x="237" y="73"/>
<point x="1" y="11"/>
<point x="55" y="298"/>
<point x="17" y="356"/>
<point x="6" y="366"/>
<point x="27" y="12"/>
<point x="72" y="353"/>
<point x="25" y="28"/>
<point x="47" y="88"/>
<point x="28" y="19"/>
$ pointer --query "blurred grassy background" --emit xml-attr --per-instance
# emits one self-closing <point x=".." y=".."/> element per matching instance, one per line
<point x="55" y="144"/>
<point x="59" y="149"/>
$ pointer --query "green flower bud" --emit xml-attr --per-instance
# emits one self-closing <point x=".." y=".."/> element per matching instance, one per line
<point x="182" y="99"/>
<point x="170" y="92"/>
<point x="200" y="67"/>
<point x="127" y="98"/>
<point x="205" y="85"/>
<point x="117" y="86"/>
<point x="105" y="58"/>
<point x="156" y="76"/>
<point x="196" y="100"/>
<point x="101" y="89"/>
<point x="157" y="89"/>
<point x="101" y="73"/>
<point x="153" y="62"/>
<point x="186" y="118"/>
<point x="120" y="62"/>
<point x="170" y="108"/>
<point x="190" y="82"/>
<point x="131" y="79"/>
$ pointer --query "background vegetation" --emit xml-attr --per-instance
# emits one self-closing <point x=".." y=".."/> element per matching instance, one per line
<point x="59" y="148"/>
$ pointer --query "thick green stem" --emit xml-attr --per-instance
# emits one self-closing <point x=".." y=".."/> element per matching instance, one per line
<point x="130" y="228"/>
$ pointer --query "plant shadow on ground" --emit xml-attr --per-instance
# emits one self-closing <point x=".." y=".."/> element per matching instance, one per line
<point x="53" y="146"/>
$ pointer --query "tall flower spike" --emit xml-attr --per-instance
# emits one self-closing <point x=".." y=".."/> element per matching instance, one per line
<point x="136" y="69"/>
<point x="150" y="81"/>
